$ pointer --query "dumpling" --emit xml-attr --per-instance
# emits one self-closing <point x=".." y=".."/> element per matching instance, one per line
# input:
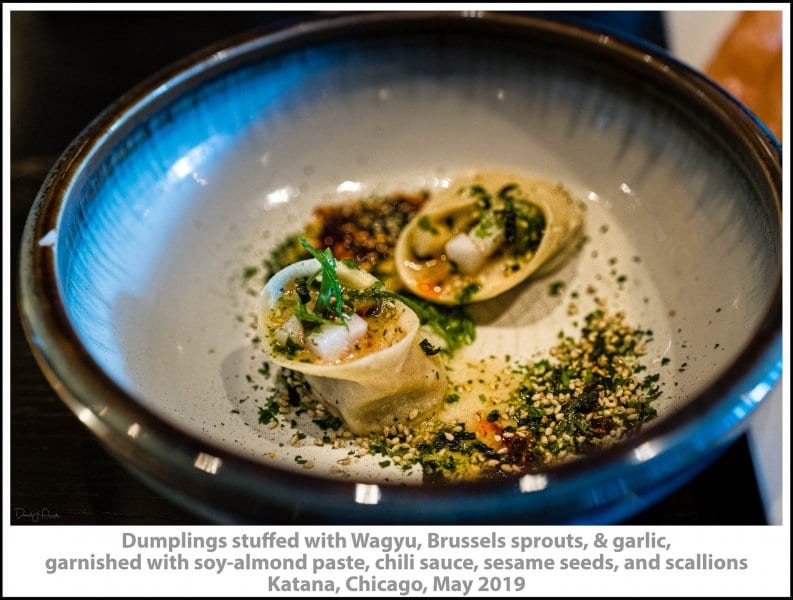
<point x="359" y="347"/>
<point x="485" y="235"/>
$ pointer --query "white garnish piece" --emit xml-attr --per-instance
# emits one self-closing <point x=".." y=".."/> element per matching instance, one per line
<point x="463" y="252"/>
<point x="469" y="251"/>
<point x="332" y="342"/>
<point x="290" y="329"/>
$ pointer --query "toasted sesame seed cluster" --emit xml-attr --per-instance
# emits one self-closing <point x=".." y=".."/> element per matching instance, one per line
<point x="590" y="393"/>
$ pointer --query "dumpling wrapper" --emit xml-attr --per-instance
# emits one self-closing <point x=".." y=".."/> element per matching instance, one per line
<point x="381" y="388"/>
<point x="563" y="224"/>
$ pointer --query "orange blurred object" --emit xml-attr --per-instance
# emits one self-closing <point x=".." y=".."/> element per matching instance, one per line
<point x="749" y="65"/>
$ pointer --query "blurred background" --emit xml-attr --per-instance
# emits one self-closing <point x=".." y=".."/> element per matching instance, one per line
<point x="68" y="66"/>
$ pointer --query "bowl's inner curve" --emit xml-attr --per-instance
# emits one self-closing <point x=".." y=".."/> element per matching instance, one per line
<point x="151" y="253"/>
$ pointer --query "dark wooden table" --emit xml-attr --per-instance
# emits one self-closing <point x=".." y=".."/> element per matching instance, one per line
<point x="65" y="68"/>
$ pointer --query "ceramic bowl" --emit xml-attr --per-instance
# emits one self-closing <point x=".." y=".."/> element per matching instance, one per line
<point x="136" y="306"/>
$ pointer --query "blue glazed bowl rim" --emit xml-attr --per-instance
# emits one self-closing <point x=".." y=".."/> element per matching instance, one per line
<point x="243" y="488"/>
